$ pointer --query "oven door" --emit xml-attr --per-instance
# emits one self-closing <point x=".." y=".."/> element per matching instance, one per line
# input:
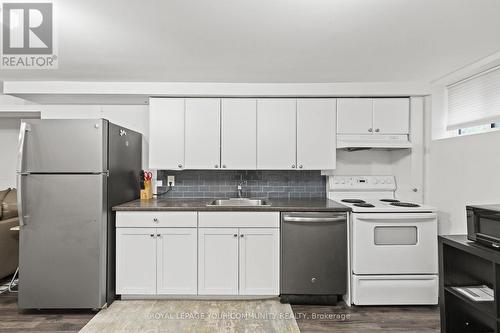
<point x="394" y="243"/>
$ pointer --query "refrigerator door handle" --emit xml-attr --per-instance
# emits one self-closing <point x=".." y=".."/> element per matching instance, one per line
<point x="25" y="127"/>
<point x="20" y="200"/>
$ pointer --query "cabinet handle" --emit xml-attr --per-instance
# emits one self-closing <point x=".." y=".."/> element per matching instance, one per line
<point x="235" y="235"/>
<point x="155" y="220"/>
<point x="242" y="235"/>
<point x="313" y="280"/>
<point x="377" y="130"/>
<point x="158" y="235"/>
<point x="152" y="235"/>
<point x="293" y="166"/>
<point x="179" y="166"/>
<point x="300" y="166"/>
<point x="370" y="130"/>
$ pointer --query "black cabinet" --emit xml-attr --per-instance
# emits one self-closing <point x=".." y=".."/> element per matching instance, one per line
<point x="465" y="263"/>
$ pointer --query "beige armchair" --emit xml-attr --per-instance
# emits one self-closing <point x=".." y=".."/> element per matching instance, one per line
<point x="9" y="240"/>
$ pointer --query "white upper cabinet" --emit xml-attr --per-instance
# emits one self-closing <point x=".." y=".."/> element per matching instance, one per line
<point x="391" y="115"/>
<point x="202" y="133"/>
<point x="239" y="133"/>
<point x="316" y="134"/>
<point x="276" y="133"/>
<point x="249" y="134"/>
<point x="355" y="116"/>
<point x="166" y="131"/>
<point x="373" y="116"/>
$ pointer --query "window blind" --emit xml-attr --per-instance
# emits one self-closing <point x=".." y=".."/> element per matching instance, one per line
<point x="475" y="100"/>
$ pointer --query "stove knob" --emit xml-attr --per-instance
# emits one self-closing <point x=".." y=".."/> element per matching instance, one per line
<point x="382" y="181"/>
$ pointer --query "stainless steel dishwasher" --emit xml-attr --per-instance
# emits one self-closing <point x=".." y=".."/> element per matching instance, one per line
<point x="313" y="257"/>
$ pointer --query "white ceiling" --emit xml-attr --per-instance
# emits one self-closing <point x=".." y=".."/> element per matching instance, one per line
<point x="269" y="40"/>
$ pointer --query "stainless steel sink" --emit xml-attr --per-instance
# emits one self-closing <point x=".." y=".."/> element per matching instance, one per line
<point x="236" y="202"/>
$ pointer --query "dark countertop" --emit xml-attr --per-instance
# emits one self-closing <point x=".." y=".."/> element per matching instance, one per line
<point x="281" y="205"/>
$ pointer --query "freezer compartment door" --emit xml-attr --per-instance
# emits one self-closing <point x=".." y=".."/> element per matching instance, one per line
<point x="62" y="241"/>
<point x="63" y="146"/>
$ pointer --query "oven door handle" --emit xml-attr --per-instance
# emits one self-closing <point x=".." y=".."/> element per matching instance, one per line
<point x="396" y="216"/>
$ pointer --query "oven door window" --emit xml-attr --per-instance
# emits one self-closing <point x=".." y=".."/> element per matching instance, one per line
<point x="406" y="235"/>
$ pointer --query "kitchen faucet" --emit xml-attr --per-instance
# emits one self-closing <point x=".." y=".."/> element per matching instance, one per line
<point x="239" y="188"/>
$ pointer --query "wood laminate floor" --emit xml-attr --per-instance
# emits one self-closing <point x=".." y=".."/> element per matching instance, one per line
<point x="339" y="319"/>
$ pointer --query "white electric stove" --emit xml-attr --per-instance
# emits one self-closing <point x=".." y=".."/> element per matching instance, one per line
<point x="393" y="244"/>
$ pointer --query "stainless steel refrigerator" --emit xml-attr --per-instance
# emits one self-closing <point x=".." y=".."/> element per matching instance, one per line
<point x="70" y="174"/>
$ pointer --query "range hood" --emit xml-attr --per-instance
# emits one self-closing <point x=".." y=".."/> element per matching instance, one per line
<point x="384" y="141"/>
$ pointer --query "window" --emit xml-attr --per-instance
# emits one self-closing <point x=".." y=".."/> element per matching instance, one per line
<point x="474" y="103"/>
<point x="478" y="129"/>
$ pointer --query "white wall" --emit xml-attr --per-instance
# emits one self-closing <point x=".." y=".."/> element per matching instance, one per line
<point x="134" y="117"/>
<point x="9" y="132"/>
<point x="462" y="170"/>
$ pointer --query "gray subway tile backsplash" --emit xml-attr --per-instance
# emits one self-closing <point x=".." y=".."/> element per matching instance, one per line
<point x="264" y="184"/>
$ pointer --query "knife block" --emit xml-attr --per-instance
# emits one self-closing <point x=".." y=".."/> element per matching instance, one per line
<point x="147" y="192"/>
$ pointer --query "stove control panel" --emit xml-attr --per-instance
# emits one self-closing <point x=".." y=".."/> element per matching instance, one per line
<point x="362" y="183"/>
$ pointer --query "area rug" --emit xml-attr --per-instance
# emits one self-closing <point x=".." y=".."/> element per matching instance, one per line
<point x="200" y="316"/>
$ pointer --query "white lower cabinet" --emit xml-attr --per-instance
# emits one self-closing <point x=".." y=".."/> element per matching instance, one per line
<point x="259" y="261"/>
<point x="153" y="261"/>
<point x="242" y="261"/>
<point x="218" y="261"/>
<point x="135" y="261"/>
<point x="176" y="250"/>
<point x="229" y="253"/>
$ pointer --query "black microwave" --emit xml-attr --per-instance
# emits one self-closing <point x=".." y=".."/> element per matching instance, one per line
<point x="483" y="225"/>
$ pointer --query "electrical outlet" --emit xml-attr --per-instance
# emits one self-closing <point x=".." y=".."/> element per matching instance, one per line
<point x="171" y="180"/>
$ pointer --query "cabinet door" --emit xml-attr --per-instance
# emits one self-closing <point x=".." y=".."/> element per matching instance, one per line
<point x="218" y="261"/>
<point x="239" y="133"/>
<point x="135" y="261"/>
<point x="177" y="261"/>
<point x="166" y="133"/>
<point x="391" y="115"/>
<point x="276" y="133"/>
<point x="259" y="261"/>
<point x="202" y="133"/>
<point x="316" y="134"/>
<point x="355" y="116"/>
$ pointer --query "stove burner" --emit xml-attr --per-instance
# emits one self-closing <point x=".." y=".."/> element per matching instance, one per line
<point x="364" y="205"/>
<point x="354" y="201"/>
<point x="404" y="204"/>
<point x="389" y="200"/>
